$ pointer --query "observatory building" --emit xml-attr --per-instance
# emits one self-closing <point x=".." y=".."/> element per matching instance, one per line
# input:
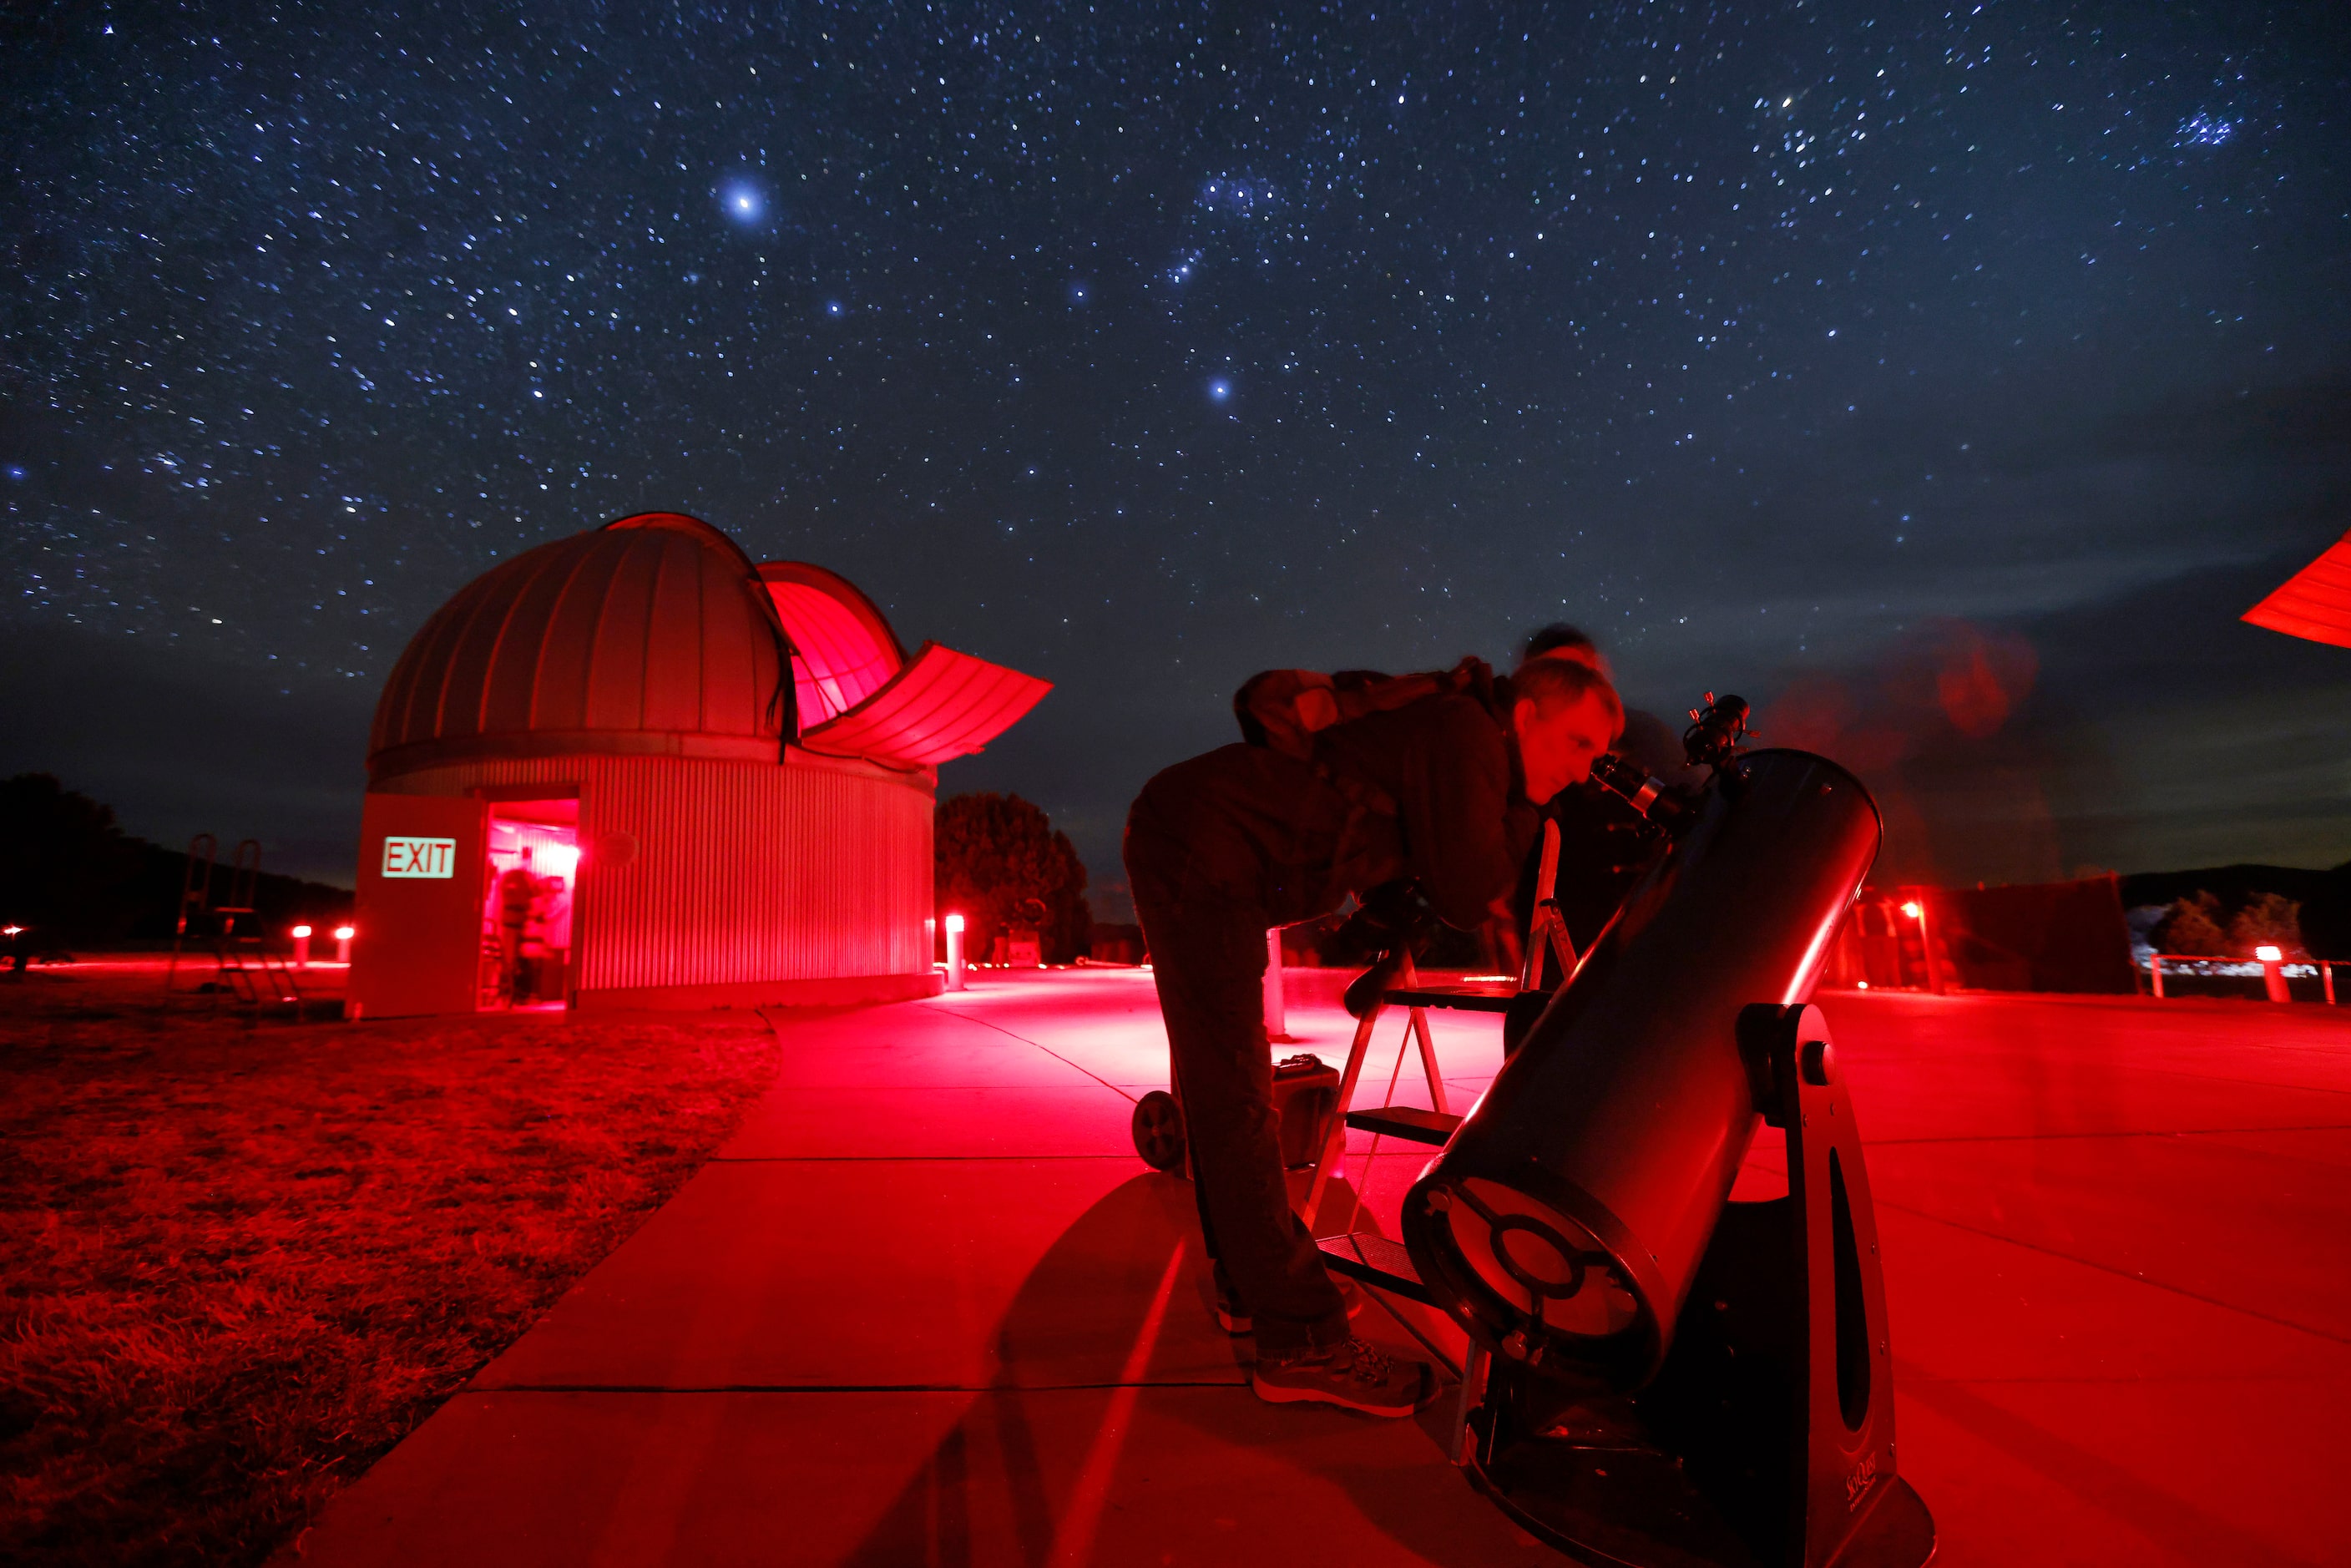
<point x="631" y="769"/>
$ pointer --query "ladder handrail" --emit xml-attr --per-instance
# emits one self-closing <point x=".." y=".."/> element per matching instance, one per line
<point x="195" y="898"/>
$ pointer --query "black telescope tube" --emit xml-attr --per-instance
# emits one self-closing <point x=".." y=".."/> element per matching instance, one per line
<point x="1568" y="1214"/>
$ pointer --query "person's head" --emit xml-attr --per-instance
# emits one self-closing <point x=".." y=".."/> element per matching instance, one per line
<point x="1564" y="713"/>
<point x="1561" y="641"/>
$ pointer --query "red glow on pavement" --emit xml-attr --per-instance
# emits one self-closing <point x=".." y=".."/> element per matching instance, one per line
<point x="1073" y="1539"/>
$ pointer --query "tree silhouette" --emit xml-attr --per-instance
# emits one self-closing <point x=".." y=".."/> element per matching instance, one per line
<point x="2270" y="918"/>
<point x="2192" y="928"/>
<point x="993" y="853"/>
<point x="63" y="863"/>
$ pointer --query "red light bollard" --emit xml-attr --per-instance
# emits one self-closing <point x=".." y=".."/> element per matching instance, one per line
<point x="301" y="947"/>
<point x="954" y="953"/>
<point x="2273" y="972"/>
<point x="343" y="934"/>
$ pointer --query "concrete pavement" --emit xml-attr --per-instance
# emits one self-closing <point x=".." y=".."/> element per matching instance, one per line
<point x="929" y="1308"/>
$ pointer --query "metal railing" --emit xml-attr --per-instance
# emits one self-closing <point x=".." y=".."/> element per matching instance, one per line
<point x="2326" y="968"/>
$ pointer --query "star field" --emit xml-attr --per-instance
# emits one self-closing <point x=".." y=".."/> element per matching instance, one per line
<point x="1146" y="346"/>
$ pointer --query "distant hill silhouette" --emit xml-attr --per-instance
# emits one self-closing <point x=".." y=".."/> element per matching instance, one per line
<point x="2232" y="885"/>
<point x="69" y="870"/>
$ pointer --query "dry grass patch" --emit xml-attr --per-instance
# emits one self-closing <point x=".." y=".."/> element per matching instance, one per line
<point x="237" y="1264"/>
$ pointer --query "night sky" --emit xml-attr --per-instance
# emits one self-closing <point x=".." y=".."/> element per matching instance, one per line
<point x="1945" y="380"/>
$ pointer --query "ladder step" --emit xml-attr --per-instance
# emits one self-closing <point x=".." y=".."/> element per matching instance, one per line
<point x="1376" y="1260"/>
<point x="1490" y="998"/>
<point x="1406" y="1122"/>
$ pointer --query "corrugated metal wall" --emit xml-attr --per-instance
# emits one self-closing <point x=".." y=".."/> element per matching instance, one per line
<point x="700" y="873"/>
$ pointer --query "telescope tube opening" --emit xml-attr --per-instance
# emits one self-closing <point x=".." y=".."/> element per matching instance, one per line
<point x="1566" y="1219"/>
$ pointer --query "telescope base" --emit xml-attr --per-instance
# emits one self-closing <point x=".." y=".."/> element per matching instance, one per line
<point x="1633" y="1507"/>
<point x="1766" y="1440"/>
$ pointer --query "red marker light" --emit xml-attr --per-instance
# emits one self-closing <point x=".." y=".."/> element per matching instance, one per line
<point x="303" y="932"/>
<point x="2267" y="954"/>
<point x="1914" y="909"/>
<point x="344" y="932"/>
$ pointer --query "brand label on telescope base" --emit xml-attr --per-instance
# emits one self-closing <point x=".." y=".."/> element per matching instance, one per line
<point x="431" y="858"/>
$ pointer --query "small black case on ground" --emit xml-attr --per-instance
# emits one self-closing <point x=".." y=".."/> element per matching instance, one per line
<point x="1305" y="1094"/>
<point x="1305" y="1097"/>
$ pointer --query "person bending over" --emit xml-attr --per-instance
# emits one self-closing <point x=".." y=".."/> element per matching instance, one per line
<point x="1442" y="791"/>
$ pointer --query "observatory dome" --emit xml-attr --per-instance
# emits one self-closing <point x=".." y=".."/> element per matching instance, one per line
<point x="650" y="635"/>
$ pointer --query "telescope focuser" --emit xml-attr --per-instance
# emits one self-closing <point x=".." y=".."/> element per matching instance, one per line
<point x="1648" y="795"/>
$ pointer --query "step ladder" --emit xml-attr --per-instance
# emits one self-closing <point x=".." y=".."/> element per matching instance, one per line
<point x="253" y="970"/>
<point x="1547" y="945"/>
<point x="195" y="898"/>
<point x="1376" y="1261"/>
<point x="244" y="964"/>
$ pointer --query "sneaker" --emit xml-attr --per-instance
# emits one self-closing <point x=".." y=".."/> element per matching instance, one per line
<point x="1355" y="1374"/>
<point x="1235" y="1319"/>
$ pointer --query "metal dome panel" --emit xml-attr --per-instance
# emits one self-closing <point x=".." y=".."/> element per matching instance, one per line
<point x="651" y="634"/>
<point x="943" y="705"/>
<point x="843" y="649"/>
<point x="2314" y="602"/>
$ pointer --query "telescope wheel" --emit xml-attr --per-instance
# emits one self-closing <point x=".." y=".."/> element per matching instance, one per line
<point x="1158" y="1127"/>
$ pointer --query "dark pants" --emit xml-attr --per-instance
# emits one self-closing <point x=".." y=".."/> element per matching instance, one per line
<point x="1206" y="890"/>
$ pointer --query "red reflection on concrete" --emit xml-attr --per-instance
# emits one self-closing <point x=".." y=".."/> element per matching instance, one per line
<point x="929" y="1284"/>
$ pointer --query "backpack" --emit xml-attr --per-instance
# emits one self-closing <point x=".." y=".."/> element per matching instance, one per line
<point x="1283" y="710"/>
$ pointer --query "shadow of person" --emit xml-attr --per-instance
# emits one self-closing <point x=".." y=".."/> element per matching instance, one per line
<point x="1117" y="1426"/>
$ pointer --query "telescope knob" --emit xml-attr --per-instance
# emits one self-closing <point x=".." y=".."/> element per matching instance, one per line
<point x="1816" y="1063"/>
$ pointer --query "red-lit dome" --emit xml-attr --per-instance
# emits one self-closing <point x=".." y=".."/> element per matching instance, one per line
<point x="651" y="634"/>
<point x="843" y="648"/>
<point x="860" y="696"/>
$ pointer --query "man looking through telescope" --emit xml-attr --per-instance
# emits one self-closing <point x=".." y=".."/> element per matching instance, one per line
<point x="1425" y="808"/>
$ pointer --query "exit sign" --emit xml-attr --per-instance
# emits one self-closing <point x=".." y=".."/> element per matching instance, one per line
<point x="419" y="857"/>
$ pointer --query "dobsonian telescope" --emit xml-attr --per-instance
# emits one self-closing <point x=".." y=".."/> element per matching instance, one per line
<point x="1659" y="1375"/>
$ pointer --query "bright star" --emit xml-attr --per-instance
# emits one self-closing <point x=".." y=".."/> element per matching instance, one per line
<point x="1221" y="389"/>
<point x="743" y="201"/>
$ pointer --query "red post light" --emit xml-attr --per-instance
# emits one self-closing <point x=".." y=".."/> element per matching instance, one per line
<point x="301" y="947"/>
<point x="343" y="934"/>
<point x="1915" y="909"/>
<point x="954" y="952"/>
<point x="2273" y="972"/>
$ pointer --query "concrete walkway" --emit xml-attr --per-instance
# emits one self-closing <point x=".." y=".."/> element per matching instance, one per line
<point x="929" y="1309"/>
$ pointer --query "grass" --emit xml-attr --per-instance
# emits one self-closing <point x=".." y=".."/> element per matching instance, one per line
<point x="238" y="1263"/>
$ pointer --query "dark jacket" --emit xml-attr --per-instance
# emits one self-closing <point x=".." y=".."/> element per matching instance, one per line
<point x="1429" y="790"/>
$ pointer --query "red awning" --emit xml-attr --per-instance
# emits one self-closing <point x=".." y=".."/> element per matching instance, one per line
<point x="2314" y="602"/>
<point x="943" y="705"/>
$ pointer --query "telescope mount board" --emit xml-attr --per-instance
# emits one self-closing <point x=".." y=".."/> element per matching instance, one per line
<point x="1767" y="1441"/>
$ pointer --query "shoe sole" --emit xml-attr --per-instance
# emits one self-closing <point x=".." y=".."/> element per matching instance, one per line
<point x="1276" y="1393"/>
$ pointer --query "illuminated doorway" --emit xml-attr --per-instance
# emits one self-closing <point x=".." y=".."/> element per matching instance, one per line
<point x="528" y="959"/>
